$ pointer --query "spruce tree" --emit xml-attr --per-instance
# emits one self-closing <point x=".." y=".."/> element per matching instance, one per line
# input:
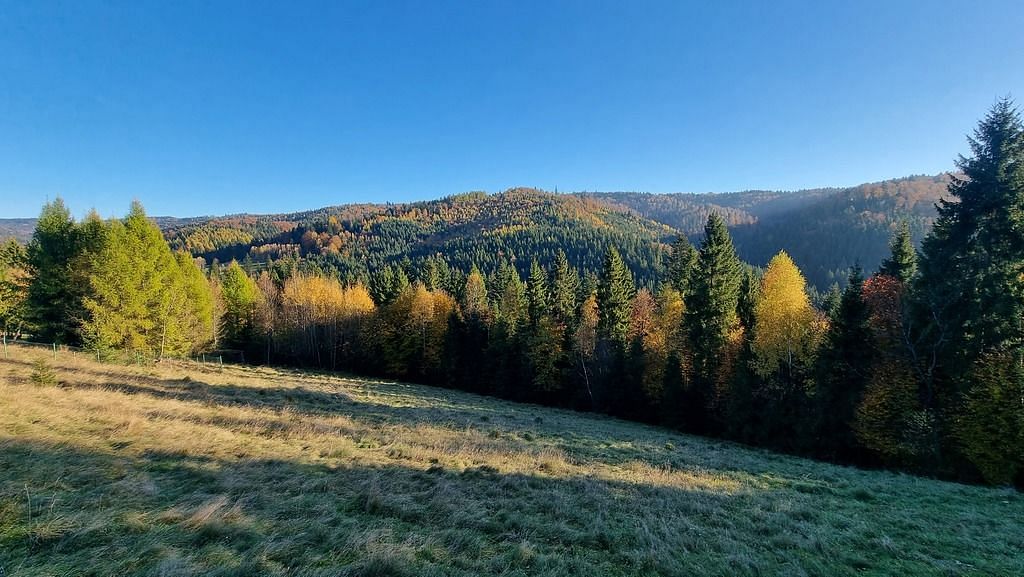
<point x="537" y="293"/>
<point x="565" y="290"/>
<point x="614" y="295"/>
<point x="387" y="283"/>
<point x="54" y="304"/>
<point x="970" y="294"/>
<point x="844" y="367"/>
<point x="681" y="265"/>
<point x="902" y="260"/>
<point x="711" y="315"/>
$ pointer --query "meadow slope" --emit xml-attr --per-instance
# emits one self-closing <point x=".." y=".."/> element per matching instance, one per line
<point x="181" y="469"/>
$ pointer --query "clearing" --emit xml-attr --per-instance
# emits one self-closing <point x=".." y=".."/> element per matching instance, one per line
<point x="182" y="469"/>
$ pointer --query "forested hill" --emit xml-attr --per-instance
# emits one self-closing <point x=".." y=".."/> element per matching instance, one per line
<point x="825" y="230"/>
<point x="462" y="230"/>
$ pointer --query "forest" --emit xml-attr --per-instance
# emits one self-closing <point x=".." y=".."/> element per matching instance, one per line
<point x="917" y="366"/>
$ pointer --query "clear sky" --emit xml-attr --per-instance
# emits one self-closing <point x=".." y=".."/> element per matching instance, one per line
<point x="215" y="107"/>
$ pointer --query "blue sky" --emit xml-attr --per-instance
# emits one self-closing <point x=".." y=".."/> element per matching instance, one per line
<point x="217" y="107"/>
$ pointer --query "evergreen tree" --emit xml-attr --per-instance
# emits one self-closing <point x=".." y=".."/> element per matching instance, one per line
<point x="832" y="299"/>
<point x="710" y="319"/>
<point x="681" y="265"/>
<point x="537" y="293"/>
<point x="902" y="260"/>
<point x="614" y="295"/>
<point x="54" y="302"/>
<point x="565" y="290"/>
<point x="388" y="282"/>
<point x="845" y="362"/>
<point x="968" y="299"/>
<point x="972" y="263"/>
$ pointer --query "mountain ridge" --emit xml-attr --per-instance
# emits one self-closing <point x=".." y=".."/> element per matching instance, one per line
<point x="825" y="230"/>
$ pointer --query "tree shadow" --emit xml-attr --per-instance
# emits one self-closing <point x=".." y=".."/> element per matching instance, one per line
<point x="68" y="509"/>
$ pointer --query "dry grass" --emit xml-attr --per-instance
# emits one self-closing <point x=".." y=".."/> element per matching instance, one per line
<point x="187" y="470"/>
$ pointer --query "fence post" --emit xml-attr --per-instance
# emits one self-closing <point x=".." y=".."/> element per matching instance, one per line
<point x="54" y="350"/>
<point x="5" y="346"/>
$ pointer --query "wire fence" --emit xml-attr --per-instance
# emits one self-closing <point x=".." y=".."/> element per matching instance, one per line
<point x="10" y="348"/>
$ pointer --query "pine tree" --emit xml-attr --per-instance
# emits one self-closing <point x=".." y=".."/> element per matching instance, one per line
<point x="902" y="260"/>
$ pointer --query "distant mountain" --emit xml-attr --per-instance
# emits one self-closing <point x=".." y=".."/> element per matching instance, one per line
<point x="20" y="229"/>
<point x="826" y="231"/>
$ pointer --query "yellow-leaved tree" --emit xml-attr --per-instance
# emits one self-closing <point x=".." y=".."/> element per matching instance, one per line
<point x="786" y="327"/>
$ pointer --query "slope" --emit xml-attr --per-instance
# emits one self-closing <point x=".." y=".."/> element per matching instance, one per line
<point x="184" y="469"/>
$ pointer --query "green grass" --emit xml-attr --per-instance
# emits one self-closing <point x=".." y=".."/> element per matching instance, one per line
<point x="183" y="470"/>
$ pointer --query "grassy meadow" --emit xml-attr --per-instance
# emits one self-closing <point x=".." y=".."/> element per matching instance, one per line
<point x="182" y="469"/>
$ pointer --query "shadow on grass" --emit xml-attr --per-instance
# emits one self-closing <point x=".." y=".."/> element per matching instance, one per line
<point x="67" y="510"/>
<point x="85" y="512"/>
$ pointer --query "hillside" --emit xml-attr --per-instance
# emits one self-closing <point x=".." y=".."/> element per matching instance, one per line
<point x="184" y="469"/>
<point x="826" y="231"/>
<point x="474" y="228"/>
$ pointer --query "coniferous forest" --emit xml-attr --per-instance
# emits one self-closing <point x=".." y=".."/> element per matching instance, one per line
<point x="917" y="366"/>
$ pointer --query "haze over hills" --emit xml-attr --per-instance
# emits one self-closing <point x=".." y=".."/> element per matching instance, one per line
<point x="826" y="230"/>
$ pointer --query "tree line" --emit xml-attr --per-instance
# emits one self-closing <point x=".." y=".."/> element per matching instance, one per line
<point x="917" y="366"/>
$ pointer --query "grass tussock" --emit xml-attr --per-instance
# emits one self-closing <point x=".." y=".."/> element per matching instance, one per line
<point x="182" y="470"/>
